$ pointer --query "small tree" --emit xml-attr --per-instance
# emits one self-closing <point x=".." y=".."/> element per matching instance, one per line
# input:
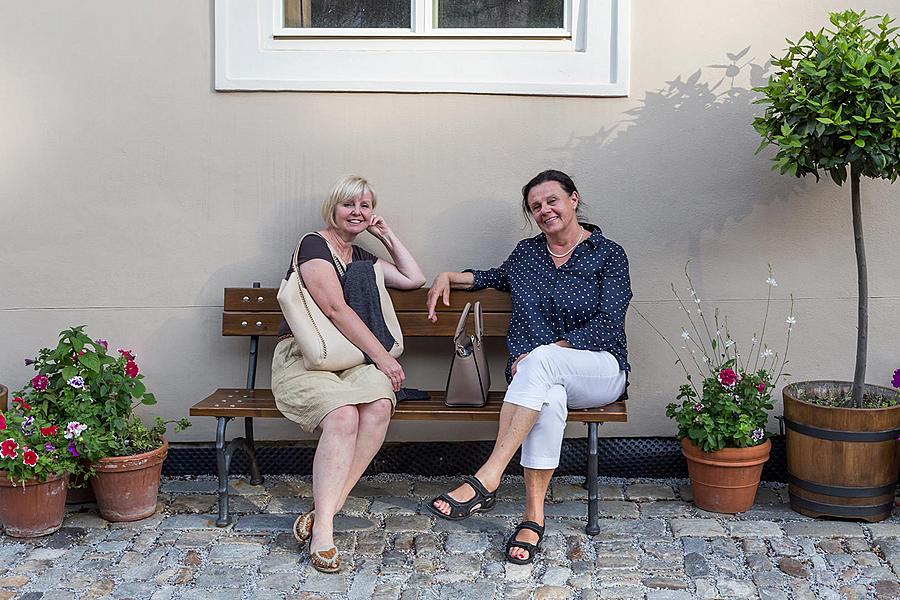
<point x="834" y="103"/>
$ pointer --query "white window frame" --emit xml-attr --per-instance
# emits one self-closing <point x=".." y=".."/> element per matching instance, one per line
<point x="589" y="56"/>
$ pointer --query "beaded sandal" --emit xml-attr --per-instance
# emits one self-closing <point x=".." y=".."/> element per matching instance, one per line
<point x="326" y="560"/>
<point x="303" y="526"/>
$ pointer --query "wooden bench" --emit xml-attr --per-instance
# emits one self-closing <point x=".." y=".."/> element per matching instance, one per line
<point x="254" y="312"/>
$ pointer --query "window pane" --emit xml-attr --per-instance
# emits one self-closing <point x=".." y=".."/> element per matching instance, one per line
<point x="347" y="13"/>
<point x="499" y="13"/>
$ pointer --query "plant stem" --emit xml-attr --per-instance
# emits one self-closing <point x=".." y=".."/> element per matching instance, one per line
<point x="859" y="375"/>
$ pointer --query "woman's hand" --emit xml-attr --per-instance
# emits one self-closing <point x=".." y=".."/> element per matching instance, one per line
<point x="378" y="228"/>
<point x="390" y="367"/>
<point x="516" y="364"/>
<point x="440" y="288"/>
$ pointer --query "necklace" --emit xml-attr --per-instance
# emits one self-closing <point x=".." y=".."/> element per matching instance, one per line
<point x="341" y="251"/>
<point x="569" y="251"/>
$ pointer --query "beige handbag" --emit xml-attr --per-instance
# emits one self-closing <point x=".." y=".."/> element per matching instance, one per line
<point x="469" y="379"/>
<point x="322" y="345"/>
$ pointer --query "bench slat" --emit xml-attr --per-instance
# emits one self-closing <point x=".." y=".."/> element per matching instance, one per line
<point x="231" y="402"/>
<point x="404" y="301"/>
<point x="413" y="324"/>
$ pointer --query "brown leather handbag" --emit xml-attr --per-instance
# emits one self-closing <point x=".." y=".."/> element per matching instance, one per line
<point x="469" y="379"/>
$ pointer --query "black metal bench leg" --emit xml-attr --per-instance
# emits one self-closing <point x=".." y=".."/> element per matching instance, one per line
<point x="593" y="527"/>
<point x="250" y="448"/>
<point x="223" y="458"/>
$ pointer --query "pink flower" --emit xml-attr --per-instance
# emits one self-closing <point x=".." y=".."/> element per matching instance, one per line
<point x="8" y="448"/>
<point x="40" y="382"/>
<point x="761" y="387"/>
<point x="29" y="456"/>
<point x="128" y="354"/>
<point x="2" y="422"/>
<point x="131" y="369"/>
<point x="22" y="403"/>
<point x="103" y="343"/>
<point x="728" y="377"/>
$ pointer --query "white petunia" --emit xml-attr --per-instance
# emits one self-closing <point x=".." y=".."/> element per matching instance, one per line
<point x="790" y="320"/>
<point x="685" y="335"/>
<point x="771" y="281"/>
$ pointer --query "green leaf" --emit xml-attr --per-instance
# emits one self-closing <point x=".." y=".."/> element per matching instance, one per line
<point x="860" y="143"/>
<point x="91" y="361"/>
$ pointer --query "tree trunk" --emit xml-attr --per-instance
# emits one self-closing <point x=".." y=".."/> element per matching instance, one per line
<point x="859" y="375"/>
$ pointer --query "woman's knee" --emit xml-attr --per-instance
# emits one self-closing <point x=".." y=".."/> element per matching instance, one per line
<point x="378" y="411"/>
<point x="343" y="420"/>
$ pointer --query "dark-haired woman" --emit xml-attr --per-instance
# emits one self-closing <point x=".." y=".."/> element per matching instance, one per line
<point x="570" y="290"/>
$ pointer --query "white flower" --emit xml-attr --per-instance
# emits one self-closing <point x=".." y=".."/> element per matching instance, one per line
<point x="766" y="353"/>
<point x="791" y="320"/>
<point x="74" y="429"/>
<point x="706" y="359"/>
<point x="729" y="343"/>
<point x="685" y="335"/>
<point x="753" y="340"/>
<point x="76" y="382"/>
<point x="697" y="300"/>
<point x="771" y="281"/>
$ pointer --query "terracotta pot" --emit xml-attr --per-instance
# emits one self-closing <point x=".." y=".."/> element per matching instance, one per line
<point x="80" y="491"/>
<point x="842" y="462"/>
<point x="126" y="486"/>
<point x="36" y="509"/>
<point x="725" y="481"/>
<point x="4" y="394"/>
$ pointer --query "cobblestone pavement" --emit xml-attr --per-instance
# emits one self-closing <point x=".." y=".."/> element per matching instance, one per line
<point x="653" y="544"/>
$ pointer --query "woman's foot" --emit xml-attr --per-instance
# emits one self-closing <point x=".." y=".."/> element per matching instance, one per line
<point x="323" y="554"/>
<point x="303" y="526"/>
<point x="525" y="542"/>
<point x="470" y="497"/>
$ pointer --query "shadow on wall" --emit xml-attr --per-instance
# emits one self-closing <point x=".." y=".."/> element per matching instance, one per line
<point x="687" y="153"/>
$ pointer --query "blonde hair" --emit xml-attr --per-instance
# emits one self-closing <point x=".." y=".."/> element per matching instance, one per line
<point x="345" y="188"/>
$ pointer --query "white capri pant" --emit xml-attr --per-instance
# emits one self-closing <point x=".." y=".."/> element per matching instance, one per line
<point x="552" y="379"/>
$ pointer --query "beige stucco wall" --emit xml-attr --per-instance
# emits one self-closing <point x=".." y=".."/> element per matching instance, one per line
<point x="131" y="193"/>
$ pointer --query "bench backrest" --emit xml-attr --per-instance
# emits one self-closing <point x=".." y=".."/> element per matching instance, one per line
<point x="254" y="311"/>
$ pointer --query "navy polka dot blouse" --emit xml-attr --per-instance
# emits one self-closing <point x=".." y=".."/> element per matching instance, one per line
<point x="583" y="302"/>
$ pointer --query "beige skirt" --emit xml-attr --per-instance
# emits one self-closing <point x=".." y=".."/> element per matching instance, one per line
<point x="305" y="397"/>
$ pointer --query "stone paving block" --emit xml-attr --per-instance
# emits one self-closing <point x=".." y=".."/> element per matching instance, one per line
<point x="207" y="521"/>
<point x="476" y="523"/>
<point x="775" y="512"/>
<point x="570" y="509"/>
<point x="193" y="503"/>
<point x="239" y="554"/>
<point x="86" y="520"/>
<point x="823" y="529"/>
<point x="134" y="590"/>
<point x="754" y="529"/>
<point x="568" y="491"/>
<point x="265" y="522"/>
<point x="288" y="488"/>
<point x="344" y="523"/>
<point x="279" y="582"/>
<point x="515" y="508"/>
<point x="735" y="588"/>
<point x="766" y="496"/>
<point x="669" y="595"/>
<point x="556" y="576"/>
<point x="55" y="595"/>
<point x="459" y="543"/>
<point x="552" y="592"/>
<point x="215" y="575"/>
<point x="649" y="491"/>
<point x="641" y="529"/>
<point x="629" y="592"/>
<point x="388" y="505"/>
<point x="704" y="528"/>
<point x="216" y="593"/>
<point x="664" y="583"/>
<point x="199" y="538"/>
<point x="323" y="582"/>
<point x="45" y="553"/>
<point x="288" y="505"/>
<point x="617" y="509"/>
<point x="466" y="591"/>
<point x="884" y="530"/>
<point x="666" y="509"/>
<point x="772" y="594"/>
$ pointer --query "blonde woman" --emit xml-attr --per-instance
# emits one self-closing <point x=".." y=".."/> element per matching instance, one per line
<point x="351" y="408"/>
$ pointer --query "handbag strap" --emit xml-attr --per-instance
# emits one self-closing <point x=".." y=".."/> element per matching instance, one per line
<point x="459" y="337"/>
<point x="479" y="324"/>
<point x="338" y="263"/>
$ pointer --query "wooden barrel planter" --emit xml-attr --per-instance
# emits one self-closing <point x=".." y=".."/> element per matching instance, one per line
<point x="842" y="462"/>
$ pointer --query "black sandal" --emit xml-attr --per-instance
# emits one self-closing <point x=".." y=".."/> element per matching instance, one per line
<point x="530" y="548"/>
<point x="482" y="501"/>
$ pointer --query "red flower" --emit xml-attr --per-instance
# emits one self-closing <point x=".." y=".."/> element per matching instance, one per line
<point x="40" y="382"/>
<point x="8" y="448"/>
<point x="18" y="400"/>
<point x="761" y="387"/>
<point x="29" y="457"/>
<point x="45" y="431"/>
<point x="728" y="377"/>
<point x="128" y="354"/>
<point x="131" y="369"/>
<point x="2" y="422"/>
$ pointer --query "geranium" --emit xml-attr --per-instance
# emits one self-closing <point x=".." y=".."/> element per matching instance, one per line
<point x="8" y="448"/>
<point x="29" y="456"/>
<point x="730" y="406"/>
<point x="40" y="382"/>
<point x="728" y="377"/>
<point x="131" y="369"/>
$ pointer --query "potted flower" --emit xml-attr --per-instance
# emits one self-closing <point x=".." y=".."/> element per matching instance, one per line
<point x="123" y="458"/>
<point x="722" y="424"/>
<point x="36" y="457"/>
<point x="833" y="105"/>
